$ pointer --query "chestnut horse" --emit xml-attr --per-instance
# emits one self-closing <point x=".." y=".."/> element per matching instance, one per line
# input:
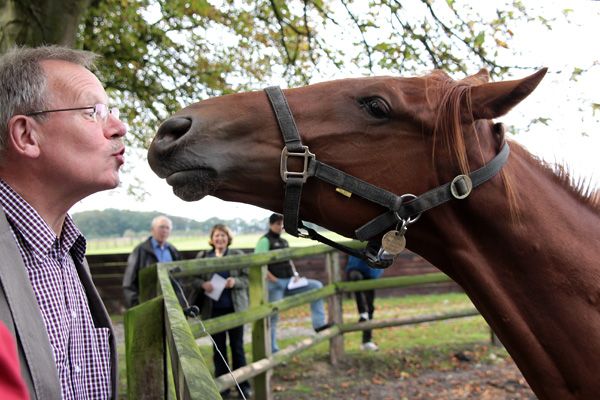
<point x="523" y="245"/>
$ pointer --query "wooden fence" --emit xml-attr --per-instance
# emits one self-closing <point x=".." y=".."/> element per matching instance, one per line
<point x="107" y="271"/>
<point x="164" y="361"/>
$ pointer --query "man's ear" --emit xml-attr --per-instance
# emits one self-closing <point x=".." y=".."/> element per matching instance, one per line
<point x="23" y="138"/>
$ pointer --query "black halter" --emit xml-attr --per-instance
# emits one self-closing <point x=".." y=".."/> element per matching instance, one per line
<point x="402" y="210"/>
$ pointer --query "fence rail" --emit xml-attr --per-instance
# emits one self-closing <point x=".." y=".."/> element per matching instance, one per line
<point x="164" y="361"/>
<point x="107" y="272"/>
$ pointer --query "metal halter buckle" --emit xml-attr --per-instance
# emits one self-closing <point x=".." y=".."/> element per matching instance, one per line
<point x="283" y="166"/>
<point x="461" y="186"/>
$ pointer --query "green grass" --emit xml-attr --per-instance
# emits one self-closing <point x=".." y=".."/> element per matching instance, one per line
<point x="245" y="241"/>
<point x="433" y="335"/>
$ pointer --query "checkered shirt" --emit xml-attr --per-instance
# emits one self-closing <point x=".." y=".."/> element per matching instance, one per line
<point x="81" y="351"/>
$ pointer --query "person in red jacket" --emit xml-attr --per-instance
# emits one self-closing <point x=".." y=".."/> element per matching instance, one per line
<point x="12" y="386"/>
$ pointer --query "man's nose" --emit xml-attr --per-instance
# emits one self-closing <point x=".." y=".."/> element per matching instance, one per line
<point x="114" y="127"/>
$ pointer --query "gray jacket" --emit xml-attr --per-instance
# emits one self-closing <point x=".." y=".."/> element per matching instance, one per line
<point x="20" y="312"/>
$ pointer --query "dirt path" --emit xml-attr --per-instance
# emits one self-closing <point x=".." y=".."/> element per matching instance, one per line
<point x="499" y="381"/>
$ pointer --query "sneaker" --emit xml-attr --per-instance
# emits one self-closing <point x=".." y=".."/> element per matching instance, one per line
<point x="369" y="346"/>
<point x="247" y="393"/>
<point x="323" y="327"/>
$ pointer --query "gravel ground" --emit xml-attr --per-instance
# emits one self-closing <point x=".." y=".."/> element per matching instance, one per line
<point x="500" y="381"/>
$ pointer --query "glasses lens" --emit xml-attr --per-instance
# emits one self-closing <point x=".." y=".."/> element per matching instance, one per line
<point x="101" y="111"/>
<point x="114" y="111"/>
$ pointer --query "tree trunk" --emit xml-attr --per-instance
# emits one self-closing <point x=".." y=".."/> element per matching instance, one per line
<point x="36" y="22"/>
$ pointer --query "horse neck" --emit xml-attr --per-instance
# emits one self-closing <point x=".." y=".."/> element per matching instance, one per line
<point x="536" y="279"/>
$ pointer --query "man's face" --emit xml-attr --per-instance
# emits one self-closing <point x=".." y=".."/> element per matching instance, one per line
<point x="77" y="152"/>
<point x="161" y="230"/>
<point x="276" y="227"/>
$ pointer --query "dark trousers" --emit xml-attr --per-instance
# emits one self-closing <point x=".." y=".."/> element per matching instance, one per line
<point x="236" y="342"/>
<point x="364" y="301"/>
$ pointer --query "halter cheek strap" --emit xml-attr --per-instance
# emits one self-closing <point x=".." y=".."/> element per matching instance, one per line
<point x="405" y="209"/>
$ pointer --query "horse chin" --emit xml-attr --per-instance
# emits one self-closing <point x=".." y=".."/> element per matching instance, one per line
<point x="192" y="185"/>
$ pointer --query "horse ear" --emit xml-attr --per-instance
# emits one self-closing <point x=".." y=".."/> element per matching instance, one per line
<point x="492" y="100"/>
<point x="483" y="76"/>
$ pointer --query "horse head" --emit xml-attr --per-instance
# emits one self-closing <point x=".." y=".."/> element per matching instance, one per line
<point x="383" y="130"/>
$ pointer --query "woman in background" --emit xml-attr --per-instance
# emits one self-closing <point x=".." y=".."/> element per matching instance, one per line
<point x="234" y="298"/>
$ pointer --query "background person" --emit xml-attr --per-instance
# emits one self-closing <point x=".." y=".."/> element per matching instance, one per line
<point x="12" y="385"/>
<point x="234" y="298"/>
<point x="59" y="143"/>
<point x="151" y="251"/>
<point x="279" y="276"/>
<point x="357" y="270"/>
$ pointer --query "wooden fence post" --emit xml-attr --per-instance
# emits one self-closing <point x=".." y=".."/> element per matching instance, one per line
<point x="261" y="334"/>
<point x="494" y="339"/>
<point x="145" y="350"/>
<point x="148" y="283"/>
<point x="336" y="343"/>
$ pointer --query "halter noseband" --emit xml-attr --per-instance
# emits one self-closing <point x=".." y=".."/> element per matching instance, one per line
<point x="402" y="210"/>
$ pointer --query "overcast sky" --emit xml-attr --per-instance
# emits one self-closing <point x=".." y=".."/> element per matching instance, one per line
<point x="572" y="136"/>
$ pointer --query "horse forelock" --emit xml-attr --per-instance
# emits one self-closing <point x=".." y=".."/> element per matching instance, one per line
<point x="454" y="98"/>
<point x="450" y="97"/>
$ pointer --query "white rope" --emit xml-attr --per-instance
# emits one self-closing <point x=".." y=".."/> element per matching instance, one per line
<point x="195" y="314"/>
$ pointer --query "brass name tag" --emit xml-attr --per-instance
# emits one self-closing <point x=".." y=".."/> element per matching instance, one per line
<point x="344" y="192"/>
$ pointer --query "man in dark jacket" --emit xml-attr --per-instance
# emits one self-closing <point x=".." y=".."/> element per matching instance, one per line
<point x="153" y="250"/>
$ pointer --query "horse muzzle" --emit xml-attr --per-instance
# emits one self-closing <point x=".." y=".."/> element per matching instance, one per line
<point x="167" y="142"/>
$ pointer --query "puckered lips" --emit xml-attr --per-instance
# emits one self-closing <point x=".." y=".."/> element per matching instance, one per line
<point x="119" y="154"/>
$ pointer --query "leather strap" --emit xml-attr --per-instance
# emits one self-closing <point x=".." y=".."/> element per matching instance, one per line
<point x="291" y="205"/>
<point x="291" y="138"/>
<point x="354" y="185"/>
<point x="398" y="209"/>
<point x="430" y="199"/>
<point x="285" y="119"/>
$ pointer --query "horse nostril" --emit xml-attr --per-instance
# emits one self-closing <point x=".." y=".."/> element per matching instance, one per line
<point x="172" y="129"/>
<point x="165" y="142"/>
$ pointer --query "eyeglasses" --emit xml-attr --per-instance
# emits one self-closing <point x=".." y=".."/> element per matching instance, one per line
<point x="97" y="110"/>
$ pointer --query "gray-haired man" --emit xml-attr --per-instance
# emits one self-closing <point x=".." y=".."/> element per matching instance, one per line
<point x="59" y="142"/>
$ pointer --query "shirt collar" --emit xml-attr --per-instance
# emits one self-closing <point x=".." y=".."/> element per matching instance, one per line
<point x="35" y="230"/>
<point x="155" y="244"/>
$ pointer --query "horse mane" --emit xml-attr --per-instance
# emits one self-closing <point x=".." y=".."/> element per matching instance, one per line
<point x="581" y="188"/>
<point x="448" y="124"/>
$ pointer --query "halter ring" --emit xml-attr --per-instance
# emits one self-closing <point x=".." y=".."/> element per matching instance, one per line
<point x="411" y="219"/>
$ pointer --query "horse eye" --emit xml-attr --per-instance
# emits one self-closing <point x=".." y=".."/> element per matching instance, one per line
<point x="376" y="106"/>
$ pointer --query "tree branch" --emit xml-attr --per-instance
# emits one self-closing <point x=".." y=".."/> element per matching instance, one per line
<point x="366" y="45"/>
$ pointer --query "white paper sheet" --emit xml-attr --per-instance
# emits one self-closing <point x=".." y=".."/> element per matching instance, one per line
<point x="218" y="284"/>
<point x="297" y="282"/>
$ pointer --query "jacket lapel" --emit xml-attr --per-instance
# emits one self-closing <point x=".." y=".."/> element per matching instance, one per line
<point x="27" y="323"/>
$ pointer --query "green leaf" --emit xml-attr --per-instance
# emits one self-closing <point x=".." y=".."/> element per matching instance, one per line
<point x="479" y="39"/>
